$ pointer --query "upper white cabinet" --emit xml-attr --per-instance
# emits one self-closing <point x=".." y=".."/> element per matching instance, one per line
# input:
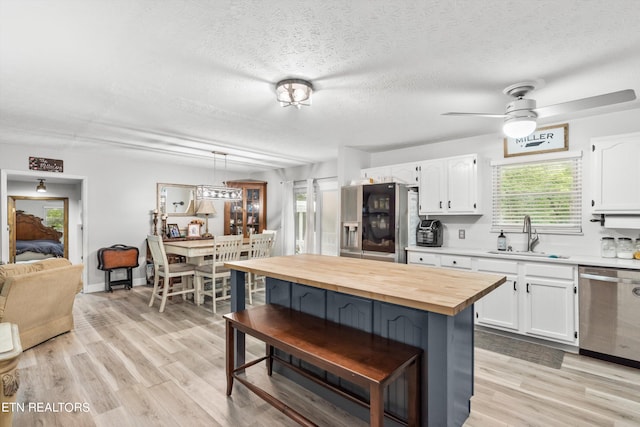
<point x="449" y="186"/>
<point x="616" y="174"/>
<point x="432" y="189"/>
<point x="405" y="173"/>
<point x="378" y="174"/>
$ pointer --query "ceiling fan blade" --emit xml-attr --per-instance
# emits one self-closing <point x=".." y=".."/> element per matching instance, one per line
<point x="498" y="116"/>
<point x="587" y="103"/>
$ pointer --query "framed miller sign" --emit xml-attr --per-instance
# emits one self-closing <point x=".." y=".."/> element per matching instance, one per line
<point x="45" y="165"/>
<point x="543" y="140"/>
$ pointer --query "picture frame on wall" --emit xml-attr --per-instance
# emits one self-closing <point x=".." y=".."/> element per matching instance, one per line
<point x="193" y="230"/>
<point x="544" y="140"/>
<point x="173" y="230"/>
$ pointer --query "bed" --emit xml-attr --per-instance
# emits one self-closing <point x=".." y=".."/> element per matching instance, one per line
<point x="34" y="240"/>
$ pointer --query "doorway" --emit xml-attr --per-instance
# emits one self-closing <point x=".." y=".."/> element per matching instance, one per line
<point x="38" y="228"/>
<point x="73" y="187"/>
<point x="316" y="216"/>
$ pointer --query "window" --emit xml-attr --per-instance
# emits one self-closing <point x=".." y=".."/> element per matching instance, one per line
<point x="549" y="191"/>
<point x="54" y="217"/>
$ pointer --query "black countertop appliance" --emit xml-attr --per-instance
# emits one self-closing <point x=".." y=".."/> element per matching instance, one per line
<point x="429" y="233"/>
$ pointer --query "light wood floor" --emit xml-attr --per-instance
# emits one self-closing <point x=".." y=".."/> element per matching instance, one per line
<point x="132" y="366"/>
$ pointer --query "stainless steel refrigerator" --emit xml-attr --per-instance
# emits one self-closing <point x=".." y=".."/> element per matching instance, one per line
<point x="374" y="221"/>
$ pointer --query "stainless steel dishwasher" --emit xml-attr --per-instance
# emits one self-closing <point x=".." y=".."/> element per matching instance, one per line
<point x="610" y="314"/>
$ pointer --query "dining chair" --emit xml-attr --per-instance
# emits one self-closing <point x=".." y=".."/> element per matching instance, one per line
<point x="225" y="248"/>
<point x="273" y="234"/>
<point x="260" y="246"/>
<point x="162" y="268"/>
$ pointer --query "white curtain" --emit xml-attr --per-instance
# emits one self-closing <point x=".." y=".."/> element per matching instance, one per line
<point x="309" y="238"/>
<point x="287" y="220"/>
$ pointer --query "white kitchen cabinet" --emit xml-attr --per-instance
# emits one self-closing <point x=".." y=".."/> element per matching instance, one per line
<point x="455" y="261"/>
<point x="378" y="174"/>
<point x="616" y="174"/>
<point x="501" y="307"/>
<point x="432" y="188"/>
<point x="422" y="258"/>
<point x="449" y="186"/>
<point x="404" y="173"/>
<point x="538" y="299"/>
<point x="550" y="301"/>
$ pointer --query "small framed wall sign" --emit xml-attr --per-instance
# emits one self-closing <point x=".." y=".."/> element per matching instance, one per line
<point x="543" y="140"/>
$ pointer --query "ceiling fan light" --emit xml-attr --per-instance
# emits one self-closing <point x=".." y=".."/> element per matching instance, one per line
<point x="294" y="92"/>
<point x="519" y="127"/>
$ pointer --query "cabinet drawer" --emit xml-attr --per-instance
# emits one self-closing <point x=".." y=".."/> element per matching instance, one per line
<point x="498" y="266"/>
<point x="455" y="261"/>
<point x="549" y="270"/>
<point x="422" y="258"/>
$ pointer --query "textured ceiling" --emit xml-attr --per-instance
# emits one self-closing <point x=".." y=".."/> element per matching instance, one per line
<point x="186" y="77"/>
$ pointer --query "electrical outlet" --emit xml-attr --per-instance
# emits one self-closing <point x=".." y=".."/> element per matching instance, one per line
<point x="461" y="233"/>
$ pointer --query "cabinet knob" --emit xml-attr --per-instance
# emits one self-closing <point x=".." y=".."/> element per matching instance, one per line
<point x="455" y="262"/>
<point x="420" y="258"/>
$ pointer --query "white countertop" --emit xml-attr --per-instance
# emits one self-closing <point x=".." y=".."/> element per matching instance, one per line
<point x="593" y="261"/>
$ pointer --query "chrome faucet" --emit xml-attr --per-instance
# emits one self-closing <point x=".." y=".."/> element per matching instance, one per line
<point x="531" y="243"/>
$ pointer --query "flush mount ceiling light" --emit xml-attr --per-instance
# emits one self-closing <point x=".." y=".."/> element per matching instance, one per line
<point x="218" y="192"/>
<point x="41" y="188"/>
<point x="296" y="92"/>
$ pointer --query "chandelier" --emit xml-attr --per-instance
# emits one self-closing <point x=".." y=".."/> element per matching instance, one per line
<point x="294" y="92"/>
<point x="218" y="192"/>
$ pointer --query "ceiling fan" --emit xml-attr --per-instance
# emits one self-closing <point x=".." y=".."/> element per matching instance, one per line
<point x="521" y="113"/>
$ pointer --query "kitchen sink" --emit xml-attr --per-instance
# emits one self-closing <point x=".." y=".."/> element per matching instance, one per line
<point x="530" y="254"/>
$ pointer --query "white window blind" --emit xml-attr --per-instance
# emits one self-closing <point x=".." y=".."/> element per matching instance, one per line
<point x="549" y="191"/>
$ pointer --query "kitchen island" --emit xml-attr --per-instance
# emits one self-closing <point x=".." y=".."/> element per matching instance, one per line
<point x="430" y="308"/>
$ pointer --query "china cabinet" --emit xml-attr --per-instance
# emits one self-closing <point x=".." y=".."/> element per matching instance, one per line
<point x="248" y="215"/>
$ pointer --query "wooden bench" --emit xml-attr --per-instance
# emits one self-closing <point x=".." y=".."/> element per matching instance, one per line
<point x="359" y="357"/>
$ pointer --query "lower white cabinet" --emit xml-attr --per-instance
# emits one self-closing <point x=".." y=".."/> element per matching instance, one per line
<point x="550" y="301"/>
<point x="538" y="299"/>
<point x="501" y="308"/>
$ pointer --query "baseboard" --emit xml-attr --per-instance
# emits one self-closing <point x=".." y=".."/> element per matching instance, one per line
<point x="100" y="287"/>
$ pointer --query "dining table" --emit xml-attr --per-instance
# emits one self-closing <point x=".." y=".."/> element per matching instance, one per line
<point x="196" y="250"/>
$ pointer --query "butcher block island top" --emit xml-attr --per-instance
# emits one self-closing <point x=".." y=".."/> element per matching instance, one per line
<point x="431" y="289"/>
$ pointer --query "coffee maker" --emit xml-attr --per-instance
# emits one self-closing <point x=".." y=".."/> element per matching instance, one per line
<point x="429" y="233"/>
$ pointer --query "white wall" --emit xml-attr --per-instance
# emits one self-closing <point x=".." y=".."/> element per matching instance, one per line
<point x="490" y="147"/>
<point x="121" y="194"/>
